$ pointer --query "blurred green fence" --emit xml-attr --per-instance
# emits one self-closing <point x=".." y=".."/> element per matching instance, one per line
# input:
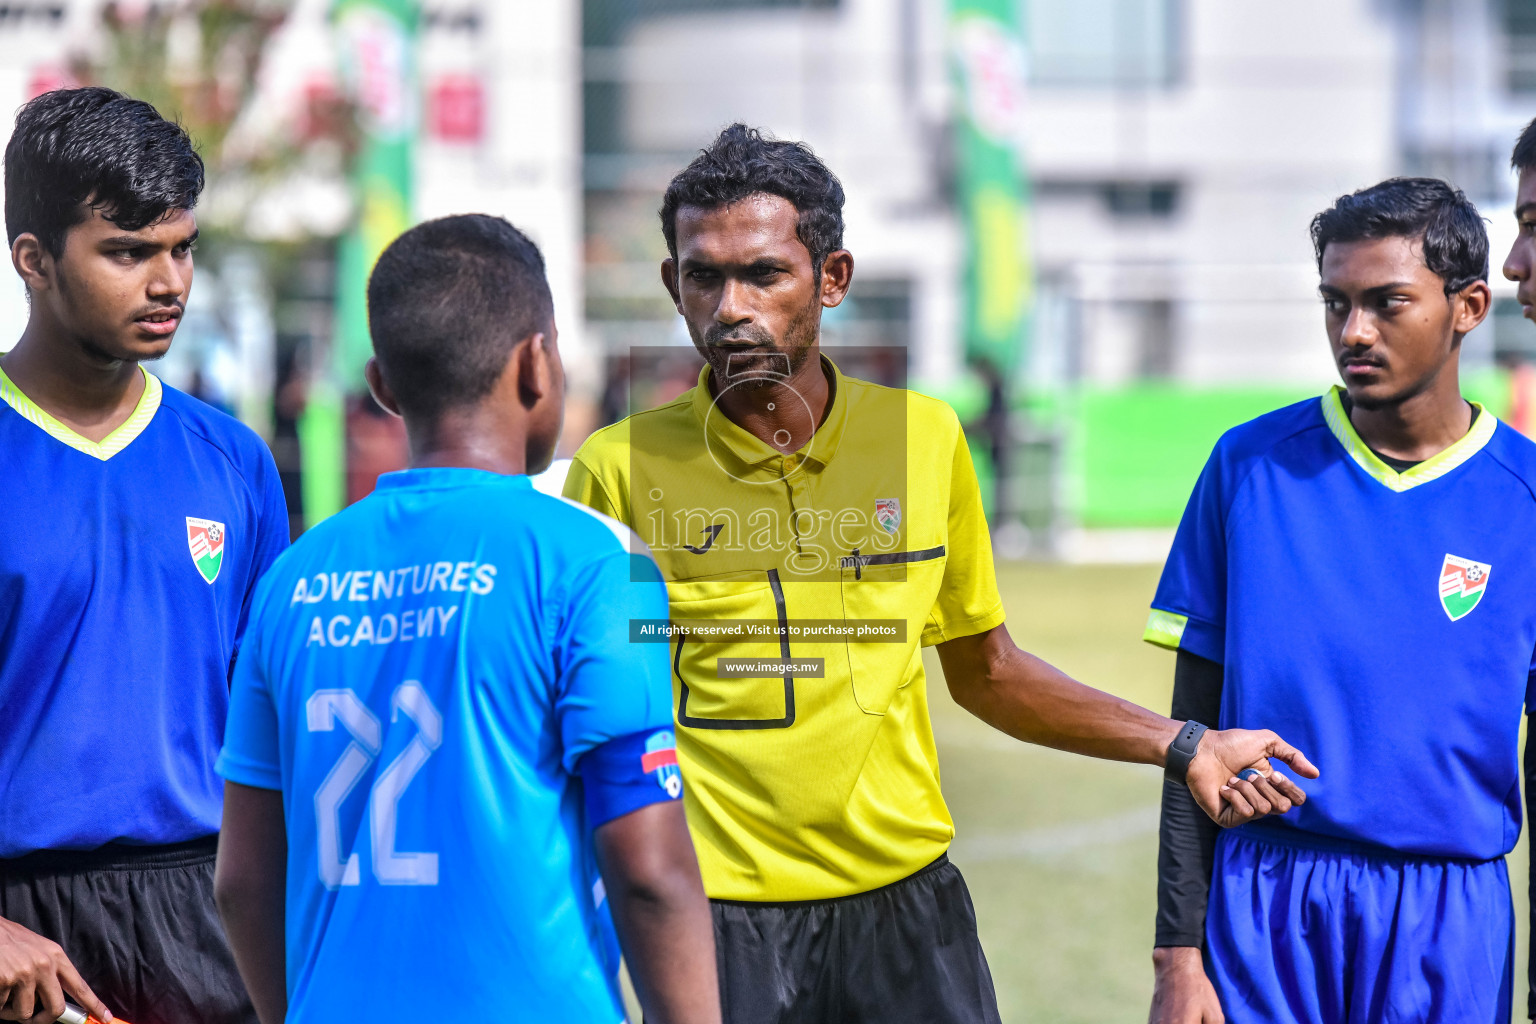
<point x="1127" y="457"/>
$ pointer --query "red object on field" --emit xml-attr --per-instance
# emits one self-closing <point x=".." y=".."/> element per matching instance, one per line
<point x="1522" y="399"/>
<point x="47" y="78"/>
<point x="456" y="105"/>
<point x="323" y="110"/>
<point x="657" y="759"/>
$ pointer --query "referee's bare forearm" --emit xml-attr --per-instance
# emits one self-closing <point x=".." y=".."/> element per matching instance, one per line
<point x="1031" y="700"/>
<point x="1018" y="693"/>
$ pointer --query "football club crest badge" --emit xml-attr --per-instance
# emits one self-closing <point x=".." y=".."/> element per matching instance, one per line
<point x="888" y="513"/>
<point x="205" y="539"/>
<point x="1462" y="585"/>
<point x="660" y="759"/>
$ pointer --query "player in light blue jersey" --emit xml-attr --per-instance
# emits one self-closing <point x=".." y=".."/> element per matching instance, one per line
<point x="449" y="772"/>
<point x="1359" y="572"/>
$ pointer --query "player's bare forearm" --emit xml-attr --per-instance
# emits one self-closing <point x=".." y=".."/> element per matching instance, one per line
<point x="661" y="914"/>
<point x="1031" y="700"/>
<point x="248" y="883"/>
<point x="1182" y="994"/>
<point x="1016" y="692"/>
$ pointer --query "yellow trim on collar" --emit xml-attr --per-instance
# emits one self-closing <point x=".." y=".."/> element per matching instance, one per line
<point x="1165" y="629"/>
<point x="108" y="446"/>
<point x="1432" y="468"/>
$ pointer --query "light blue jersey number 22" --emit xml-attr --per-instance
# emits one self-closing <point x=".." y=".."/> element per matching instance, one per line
<point x="323" y="710"/>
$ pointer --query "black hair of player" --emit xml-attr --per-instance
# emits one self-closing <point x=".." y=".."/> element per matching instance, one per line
<point x="1455" y="241"/>
<point x="742" y="162"/>
<point x="1524" y="156"/>
<point x="447" y="302"/>
<point x="74" y="150"/>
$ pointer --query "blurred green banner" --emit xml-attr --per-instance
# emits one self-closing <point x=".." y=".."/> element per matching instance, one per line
<point x="377" y="39"/>
<point x="987" y="45"/>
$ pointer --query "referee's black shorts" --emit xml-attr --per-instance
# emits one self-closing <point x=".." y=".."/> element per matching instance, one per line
<point x="906" y="953"/>
<point x="138" y="923"/>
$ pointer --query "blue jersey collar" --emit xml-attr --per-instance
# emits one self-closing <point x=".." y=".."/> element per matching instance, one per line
<point x="441" y="477"/>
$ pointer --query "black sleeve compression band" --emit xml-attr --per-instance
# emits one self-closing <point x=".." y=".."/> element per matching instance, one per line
<point x="1186" y="839"/>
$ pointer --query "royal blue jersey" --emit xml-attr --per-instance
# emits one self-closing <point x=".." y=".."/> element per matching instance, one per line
<point x="126" y="571"/>
<point x="1384" y="623"/>
<point x="423" y="675"/>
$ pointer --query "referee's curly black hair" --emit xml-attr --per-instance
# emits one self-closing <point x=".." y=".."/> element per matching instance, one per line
<point x="74" y="150"/>
<point x="742" y="162"/>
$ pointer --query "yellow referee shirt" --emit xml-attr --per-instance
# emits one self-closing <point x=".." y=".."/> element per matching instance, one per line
<point x="818" y="778"/>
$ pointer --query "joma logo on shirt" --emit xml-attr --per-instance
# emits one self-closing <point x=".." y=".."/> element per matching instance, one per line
<point x="710" y="533"/>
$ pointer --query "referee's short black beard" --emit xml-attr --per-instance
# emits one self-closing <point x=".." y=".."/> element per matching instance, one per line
<point x="800" y="339"/>
<point x="750" y="381"/>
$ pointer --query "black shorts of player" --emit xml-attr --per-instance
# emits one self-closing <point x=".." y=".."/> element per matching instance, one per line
<point x="906" y="953"/>
<point x="138" y="923"/>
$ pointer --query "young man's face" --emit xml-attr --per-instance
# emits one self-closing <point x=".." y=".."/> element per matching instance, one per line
<point x="1520" y="264"/>
<point x="744" y="283"/>
<point x="120" y="294"/>
<point x="1392" y="327"/>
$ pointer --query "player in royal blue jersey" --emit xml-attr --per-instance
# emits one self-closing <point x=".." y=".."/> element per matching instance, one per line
<point x="1359" y="572"/>
<point x="443" y="744"/>
<point x="138" y="520"/>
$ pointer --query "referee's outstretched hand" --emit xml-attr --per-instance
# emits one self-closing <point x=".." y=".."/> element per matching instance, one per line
<point x="36" y="976"/>
<point x="1214" y="779"/>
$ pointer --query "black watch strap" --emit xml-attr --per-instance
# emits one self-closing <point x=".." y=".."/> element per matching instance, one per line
<point x="1182" y="751"/>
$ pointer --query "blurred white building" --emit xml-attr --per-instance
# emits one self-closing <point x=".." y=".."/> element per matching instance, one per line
<point x="1178" y="149"/>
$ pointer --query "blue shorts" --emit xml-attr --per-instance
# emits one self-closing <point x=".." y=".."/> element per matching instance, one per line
<point x="1299" y="935"/>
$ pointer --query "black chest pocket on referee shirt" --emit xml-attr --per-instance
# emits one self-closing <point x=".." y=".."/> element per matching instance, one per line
<point x="707" y="702"/>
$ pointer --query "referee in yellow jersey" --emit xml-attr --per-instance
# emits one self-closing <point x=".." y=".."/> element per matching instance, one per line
<point x="815" y="532"/>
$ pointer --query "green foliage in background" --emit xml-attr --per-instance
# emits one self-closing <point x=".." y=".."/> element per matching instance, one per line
<point x="200" y="62"/>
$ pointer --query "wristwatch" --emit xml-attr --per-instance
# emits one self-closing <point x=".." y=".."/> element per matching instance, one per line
<point x="1182" y="751"/>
